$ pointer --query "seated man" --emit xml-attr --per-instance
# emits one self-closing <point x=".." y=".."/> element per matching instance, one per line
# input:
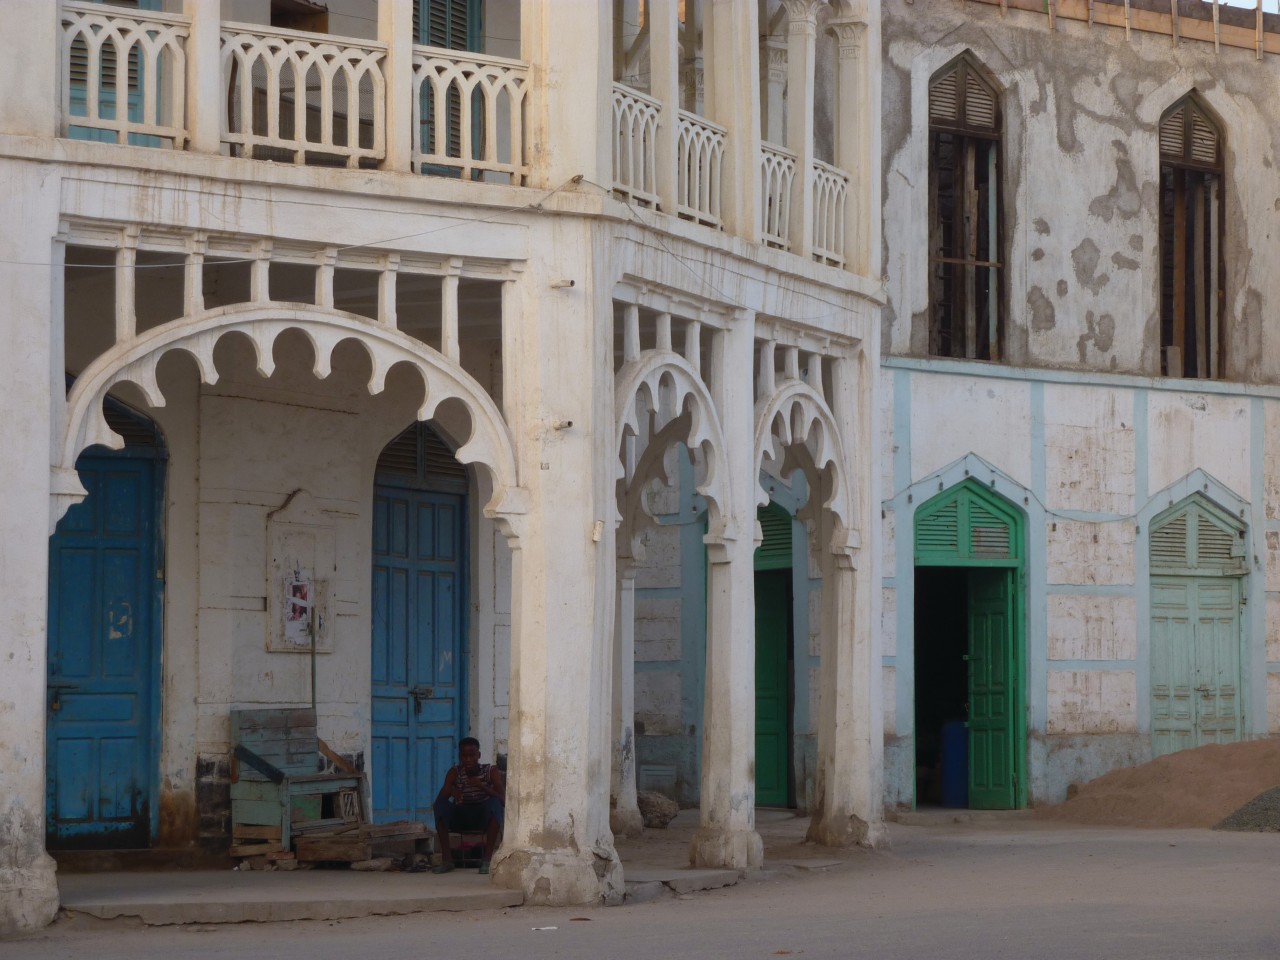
<point x="471" y="799"/>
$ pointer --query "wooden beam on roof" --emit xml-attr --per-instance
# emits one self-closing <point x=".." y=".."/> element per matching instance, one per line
<point x="1217" y="29"/>
<point x="1261" y="34"/>
<point x="1173" y="15"/>
<point x="1052" y="7"/>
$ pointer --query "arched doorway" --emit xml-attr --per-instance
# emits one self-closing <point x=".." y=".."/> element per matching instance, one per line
<point x="775" y="657"/>
<point x="1197" y="592"/>
<point x="419" y="622"/>
<point x="970" y="650"/>
<point x="106" y="586"/>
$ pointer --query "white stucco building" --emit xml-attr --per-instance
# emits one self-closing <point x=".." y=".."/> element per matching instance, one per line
<point x="411" y="312"/>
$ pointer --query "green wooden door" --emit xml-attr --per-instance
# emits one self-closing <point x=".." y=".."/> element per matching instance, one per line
<point x="773" y="612"/>
<point x="991" y="707"/>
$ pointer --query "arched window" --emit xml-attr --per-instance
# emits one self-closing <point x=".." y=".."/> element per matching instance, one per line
<point x="1191" y="263"/>
<point x="964" y="214"/>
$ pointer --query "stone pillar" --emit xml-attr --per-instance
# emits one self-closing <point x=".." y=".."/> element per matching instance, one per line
<point x="858" y="134"/>
<point x="395" y="29"/>
<point x="206" y="97"/>
<point x="732" y="47"/>
<point x="802" y="39"/>
<point x="30" y="64"/>
<point x="624" y="812"/>
<point x="569" y="131"/>
<point x="726" y="835"/>
<point x="664" y="85"/>
<point x="557" y="847"/>
<point x="849" y="786"/>
<point x="31" y="369"/>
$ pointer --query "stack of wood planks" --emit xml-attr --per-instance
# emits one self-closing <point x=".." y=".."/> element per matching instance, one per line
<point x="354" y="842"/>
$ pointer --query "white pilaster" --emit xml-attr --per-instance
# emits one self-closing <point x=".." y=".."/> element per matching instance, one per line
<point x="802" y="36"/>
<point x="726" y="835"/>
<point x="557" y="846"/>
<point x="32" y="378"/>
<point x="205" y="95"/>
<point x="732" y="45"/>
<point x="858" y="134"/>
<point x="664" y="85"/>
<point x="30" y="64"/>
<point x="395" y="29"/>
<point x="568" y="47"/>
<point x="849" y="784"/>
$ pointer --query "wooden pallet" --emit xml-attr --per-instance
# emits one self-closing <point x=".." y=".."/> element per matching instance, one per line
<point x="349" y="843"/>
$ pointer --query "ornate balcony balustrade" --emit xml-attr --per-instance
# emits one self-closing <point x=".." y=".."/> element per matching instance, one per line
<point x="635" y="132"/>
<point x="830" y="196"/>
<point x="700" y="148"/>
<point x="777" y="171"/>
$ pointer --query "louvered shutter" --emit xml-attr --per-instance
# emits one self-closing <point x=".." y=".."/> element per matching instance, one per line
<point x="939" y="531"/>
<point x="988" y="534"/>
<point x="419" y="454"/>
<point x="979" y="103"/>
<point x="79" y="65"/>
<point x="1188" y="135"/>
<point x="774" y="552"/>
<point x="944" y="99"/>
<point x="964" y="525"/>
<point x="961" y="98"/>
<point x="1194" y="541"/>
<point x="1169" y="544"/>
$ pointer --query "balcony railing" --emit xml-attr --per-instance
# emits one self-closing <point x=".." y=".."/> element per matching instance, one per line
<point x="635" y="132"/>
<point x="470" y="115"/>
<point x="124" y="75"/>
<point x="303" y="98"/>
<point x="700" y="150"/>
<point x="830" y="194"/>
<point x="777" y="170"/>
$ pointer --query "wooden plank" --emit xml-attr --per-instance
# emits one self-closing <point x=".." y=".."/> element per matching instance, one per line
<point x="333" y="848"/>
<point x="336" y="758"/>
<point x="1179" y="264"/>
<point x="256" y="790"/>
<point x="252" y="831"/>
<point x="254" y="849"/>
<point x="1198" y="279"/>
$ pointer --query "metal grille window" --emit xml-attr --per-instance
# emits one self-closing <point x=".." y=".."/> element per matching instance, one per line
<point x="1191" y="260"/>
<point x="964" y="214"/>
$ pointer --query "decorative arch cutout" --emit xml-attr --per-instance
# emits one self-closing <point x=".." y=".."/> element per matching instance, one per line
<point x="489" y="445"/>
<point x="683" y="410"/>
<point x="968" y="525"/>
<point x="798" y="415"/>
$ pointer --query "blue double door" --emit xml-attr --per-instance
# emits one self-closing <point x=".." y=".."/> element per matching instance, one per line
<point x="419" y="626"/>
<point x="105" y="590"/>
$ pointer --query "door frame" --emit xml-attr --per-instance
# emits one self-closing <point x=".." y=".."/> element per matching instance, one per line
<point x="961" y="555"/>
<point x="159" y="457"/>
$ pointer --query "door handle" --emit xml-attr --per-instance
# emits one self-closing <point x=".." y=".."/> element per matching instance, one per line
<point x="58" y="687"/>
<point x="419" y="693"/>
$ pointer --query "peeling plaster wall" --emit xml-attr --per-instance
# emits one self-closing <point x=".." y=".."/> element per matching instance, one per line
<point x="1081" y="183"/>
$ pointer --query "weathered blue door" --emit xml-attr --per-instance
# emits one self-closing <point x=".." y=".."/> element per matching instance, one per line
<point x="104" y="591"/>
<point x="418" y="628"/>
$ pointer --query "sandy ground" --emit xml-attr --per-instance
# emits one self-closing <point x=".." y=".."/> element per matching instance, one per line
<point x="1193" y="788"/>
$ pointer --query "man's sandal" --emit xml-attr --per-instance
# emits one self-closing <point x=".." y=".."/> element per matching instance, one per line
<point x="445" y="867"/>
<point x="484" y="866"/>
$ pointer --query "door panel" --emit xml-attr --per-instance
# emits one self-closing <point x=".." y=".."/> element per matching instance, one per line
<point x="773" y="614"/>
<point x="103" y="590"/>
<point x="416" y="647"/>
<point x="991" y="701"/>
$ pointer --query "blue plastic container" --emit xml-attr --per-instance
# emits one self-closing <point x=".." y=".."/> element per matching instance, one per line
<point x="955" y="764"/>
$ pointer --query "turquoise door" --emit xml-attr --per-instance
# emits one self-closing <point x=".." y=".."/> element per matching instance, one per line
<point x="418" y="629"/>
<point x="991" y="719"/>
<point x="104" y="597"/>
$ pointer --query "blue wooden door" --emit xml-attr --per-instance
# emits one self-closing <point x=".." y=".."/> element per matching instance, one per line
<point x="104" y="590"/>
<point x="418" y="629"/>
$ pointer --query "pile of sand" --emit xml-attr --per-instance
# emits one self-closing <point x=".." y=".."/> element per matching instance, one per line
<point x="1193" y="788"/>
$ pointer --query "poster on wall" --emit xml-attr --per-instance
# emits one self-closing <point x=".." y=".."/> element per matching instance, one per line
<point x="297" y="606"/>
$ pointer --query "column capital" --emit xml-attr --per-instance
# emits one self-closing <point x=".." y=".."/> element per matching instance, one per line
<point x="802" y="11"/>
<point x="849" y="34"/>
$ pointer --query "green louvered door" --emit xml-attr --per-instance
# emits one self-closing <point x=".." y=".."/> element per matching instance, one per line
<point x="1197" y="565"/>
<point x="970" y="528"/>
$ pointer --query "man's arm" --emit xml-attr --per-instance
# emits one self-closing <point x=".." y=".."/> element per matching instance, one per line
<point x="450" y="787"/>
<point x="497" y="785"/>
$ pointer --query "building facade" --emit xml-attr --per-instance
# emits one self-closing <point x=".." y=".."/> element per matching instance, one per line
<point x="353" y="350"/>
<point x="1079" y="394"/>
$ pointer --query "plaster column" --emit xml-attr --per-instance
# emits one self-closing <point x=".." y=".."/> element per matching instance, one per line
<point x="205" y="94"/>
<point x="395" y="29"/>
<point x="569" y="113"/>
<point x="557" y="846"/>
<point x="732" y="46"/>
<point x="726" y="835"/>
<point x="773" y="78"/>
<point x="858" y="134"/>
<point x="664" y="85"/>
<point x="849" y="785"/>
<point x="30" y="63"/>
<point x="624" y="812"/>
<point x="802" y="38"/>
<point x="31" y="369"/>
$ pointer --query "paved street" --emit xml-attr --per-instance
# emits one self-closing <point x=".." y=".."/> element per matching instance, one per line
<point x="984" y="890"/>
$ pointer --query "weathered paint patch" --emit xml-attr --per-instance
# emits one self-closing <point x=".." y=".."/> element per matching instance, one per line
<point x="1043" y="315"/>
<point x="1084" y="258"/>
<point x="1092" y="701"/>
<point x="1124" y="199"/>
<point x="1080" y="552"/>
<point x="1100" y="331"/>
<point x="1092" y="628"/>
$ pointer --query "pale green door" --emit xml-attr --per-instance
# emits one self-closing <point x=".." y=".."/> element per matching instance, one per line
<point x="1195" y="662"/>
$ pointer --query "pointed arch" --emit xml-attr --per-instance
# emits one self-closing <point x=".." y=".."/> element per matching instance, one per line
<point x="489" y="445"/>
